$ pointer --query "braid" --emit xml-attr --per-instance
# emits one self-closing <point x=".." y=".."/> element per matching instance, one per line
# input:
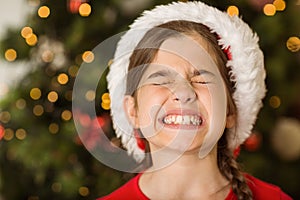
<point x="230" y="169"/>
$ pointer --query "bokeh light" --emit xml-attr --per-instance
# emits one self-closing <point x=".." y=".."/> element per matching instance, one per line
<point x="53" y="128"/>
<point x="8" y="134"/>
<point x="84" y="191"/>
<point x="62" y="78"/>
<point x="5" y="117"/>
<point x="10" y="55"/>
<point x="52" y="96"/>
<point x="269" y="9"/>
<point x="90" y="95"/>
<point x="88" y="56"/>
<point x="21" y="104"/>
<point x="32" y="40"/>
<point x="293" y="44"/>
<point x="233" y="10"/>
<point x="35" y="93"/>
<point x="275" y="102"/>
<point x="38" y="110"/>
<point x="279" y="5"/>
<point x="85" y="9"/>
<point x="26" y="32"/>
<point x="66" y="115"/>
<point x="21" y="134"/>
<point x="44" y="12"/>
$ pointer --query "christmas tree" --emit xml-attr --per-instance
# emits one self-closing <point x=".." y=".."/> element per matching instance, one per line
<point x="41" y="154"/>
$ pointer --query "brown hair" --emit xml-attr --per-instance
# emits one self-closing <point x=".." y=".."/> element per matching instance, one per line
<point x="144" y="54"/>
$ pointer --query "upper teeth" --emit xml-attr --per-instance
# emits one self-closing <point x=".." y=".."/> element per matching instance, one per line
<point x="183" y="119"/>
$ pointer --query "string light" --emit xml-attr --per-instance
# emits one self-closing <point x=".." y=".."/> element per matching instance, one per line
<point x="269" y="9"/>
<point x="84" y="191"/>
<point x="38" y="110"/>
<point x="32" y="40"/>
<point x="233" y="10"/>
<point x="90" y="95"/>
<point x="35" y="93"/>
<point x="85" y="9"/>
<point x="275" y="102"/>
<point x="62" y="79"/>
<point x="20" y="104"/>
<point x="52" y="96"/>
<point x="26" y="32"/>
<point x="53" y="128"/>
<point x="10" y="55"/>
<point x="293" y="44"/>
<point x="66" y="115"/>
<point x="21" y="134"/>
<point x="5" y="117"/>
<point x="88" y="56"/>
<point x="44" y="12"/>
<point x="8" y="134"/>
<point x="280" y="5"/>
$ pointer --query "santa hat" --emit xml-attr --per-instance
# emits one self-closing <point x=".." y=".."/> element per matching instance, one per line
<point x="246" y="64"/>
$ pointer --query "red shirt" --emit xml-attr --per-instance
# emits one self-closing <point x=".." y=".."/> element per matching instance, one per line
<point x="260" y="190"/>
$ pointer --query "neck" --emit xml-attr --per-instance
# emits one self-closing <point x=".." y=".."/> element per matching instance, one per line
<point x="186" y="177"/>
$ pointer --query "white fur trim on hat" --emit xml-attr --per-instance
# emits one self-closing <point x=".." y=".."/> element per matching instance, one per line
<point x="247" y="65"/>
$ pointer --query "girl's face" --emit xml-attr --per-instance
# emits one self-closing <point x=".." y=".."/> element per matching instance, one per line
<point x="181" y="100"/>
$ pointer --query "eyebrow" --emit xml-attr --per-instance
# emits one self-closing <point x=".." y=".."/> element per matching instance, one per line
<point x="202" y="72"/>
<point x="159" y="74"/>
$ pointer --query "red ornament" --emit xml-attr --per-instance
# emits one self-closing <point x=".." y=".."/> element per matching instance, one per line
<point x="253" y="142"/>
<point x="2" y="131"/>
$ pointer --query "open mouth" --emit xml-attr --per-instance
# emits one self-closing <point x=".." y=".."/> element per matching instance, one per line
<point x="193" y="120"/>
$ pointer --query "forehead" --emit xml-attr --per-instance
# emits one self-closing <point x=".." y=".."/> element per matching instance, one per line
<point x="184" y="51"/>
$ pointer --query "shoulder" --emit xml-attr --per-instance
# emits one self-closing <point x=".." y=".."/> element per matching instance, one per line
<point x="128" y="191"/>
<point x="263" y="190"/>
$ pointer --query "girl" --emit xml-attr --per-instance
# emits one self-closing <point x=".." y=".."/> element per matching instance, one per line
<point x="194" y="84"/>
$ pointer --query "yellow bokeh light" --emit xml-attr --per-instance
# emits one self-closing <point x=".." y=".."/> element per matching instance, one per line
<point x="21" y="134"/>
<point x="62" y="79"/>
<point x="21" y="104"/>
<point x="105" y="98"/>
<point x="280" y="5"/>
<point x="8" y="134"/>
<point x="90" y="95"/>
<point x="233" y="10"/>
<point x="44" y="12"/>
<point x="35" y="93"/>
<point x="73" y="70"/>
<point x="5" y="117"/>
<point x="275" y="102"/>
<point x="10" y="55"/>
<point x="32" y="40"/>
<point x="105" y="106"/>
<point x="53" y="128"/>
<point x="66" y="115"/>
<point x="85" y="9"/>
<point x="38" y="110"/>
<point x="84" y="191"/>
<point x="26" y="32"/>
<point x="269" y="9"/>
<point x="88" y="56"/>
<point x="52" y="96"/>
<point x="293" y="44"/>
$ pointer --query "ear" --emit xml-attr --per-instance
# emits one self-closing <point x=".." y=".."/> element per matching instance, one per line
<point x="130" y="110"/>
<point x="230" y="121"/>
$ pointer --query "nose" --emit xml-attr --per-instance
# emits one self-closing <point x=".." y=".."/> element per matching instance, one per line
<point x="183" y="92"/>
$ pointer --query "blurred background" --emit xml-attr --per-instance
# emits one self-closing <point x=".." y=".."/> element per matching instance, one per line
<point x="43" y="44"/>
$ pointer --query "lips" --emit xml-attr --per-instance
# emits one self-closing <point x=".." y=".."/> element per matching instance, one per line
<point x="175" y="119"/>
